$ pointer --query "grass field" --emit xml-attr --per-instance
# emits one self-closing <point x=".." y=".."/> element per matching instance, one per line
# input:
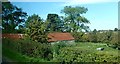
<point x="93" y="46"/>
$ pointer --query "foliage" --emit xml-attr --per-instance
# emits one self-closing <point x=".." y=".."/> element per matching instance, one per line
<point x="92" y="37"/>
<point x="73" y="20"/>
<point x="29" y="48"/>
<point x="83" y="53"/>
<point x="55" y="48"/>
<point x="115" y="29"/>
<point x="12" y="17"/>
<point x="109" y="37"/>
<point x="35" y="29"/>
<point x="85" y="38"/>
<point x="18" y="57"/>
<point x="55" y="23"/>
<point x="115" y="41"/>
<point x="77" y="36"/>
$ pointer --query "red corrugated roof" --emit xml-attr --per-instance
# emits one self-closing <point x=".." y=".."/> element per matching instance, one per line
<point x="12" y="36"/>
<point x="52" y="37"/>
<point x="59" y="37"/>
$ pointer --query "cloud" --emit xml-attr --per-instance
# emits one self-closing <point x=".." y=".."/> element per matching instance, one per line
<point x="77" y="2"/>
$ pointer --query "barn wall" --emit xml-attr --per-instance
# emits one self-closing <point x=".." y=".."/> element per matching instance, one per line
<point x="66" y="41"/>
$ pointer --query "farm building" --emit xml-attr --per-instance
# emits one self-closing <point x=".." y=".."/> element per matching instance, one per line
<point x="52" y="37"/>
<point x="60" y="37"/>
<point x="12" y="36"/>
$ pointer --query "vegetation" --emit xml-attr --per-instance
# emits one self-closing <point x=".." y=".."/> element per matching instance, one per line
<point x="13" y="56"/>
<point x="29" y="48"/>
<point x="35" y="29"/>
<point x="35" y="48"/>
<point x="55" y="24"/>
<point x="73" y="20"/>
<point x="86" y="52"/>
<point x="37" y="52"/>
<point x="12" y="17"/>
<point x="109" y="37"/>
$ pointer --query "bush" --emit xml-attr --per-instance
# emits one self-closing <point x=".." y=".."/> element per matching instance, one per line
<point x="29" y="48"/>
<point x="68" y="54"/>
<point x="12" y="44"/>
<point x="109" y="37"/>
<point x="78" y="36"/>
<point x="55" y="48"/>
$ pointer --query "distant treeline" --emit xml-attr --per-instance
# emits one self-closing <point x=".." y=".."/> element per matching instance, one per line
<point x="106" y="36"/>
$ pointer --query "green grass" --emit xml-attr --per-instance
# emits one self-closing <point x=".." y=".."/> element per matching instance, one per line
<point x="93" y="46"/>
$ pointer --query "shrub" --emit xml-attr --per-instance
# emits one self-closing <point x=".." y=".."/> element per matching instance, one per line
<point x="29" y="48"/>
<point x="109" y="37"/>
<point x="36" y="29"/>
<point x="57" y="46"/>
<point x="68" y="54"/>
<point x="78" y="36"/>
<point x="8" y="43"/>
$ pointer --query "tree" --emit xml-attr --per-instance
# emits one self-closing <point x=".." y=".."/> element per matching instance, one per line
<point x="92" y="37"/>
<point x="12" y="17"/>
<point x="55" y="24"/>
<point x="94" y="31"/>
<point x="108" y="36"/>
<point x="115" y="29"/>
<point x="78" y="36"/>
<point x="73" y="19"/>
<point x="35" y="29"/>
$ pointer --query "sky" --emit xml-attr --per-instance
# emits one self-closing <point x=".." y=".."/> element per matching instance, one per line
<point x="102" y="14"/>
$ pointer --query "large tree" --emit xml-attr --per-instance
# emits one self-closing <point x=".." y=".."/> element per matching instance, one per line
<point x="73" y="20"/>
<point x="55" y="24"/>
<point x="12" y="17"/>
<point x="35" y="29"/>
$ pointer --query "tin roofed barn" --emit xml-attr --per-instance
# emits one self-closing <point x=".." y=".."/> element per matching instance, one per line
<point x="55" y="37"/>
<point x="60" y="37"/>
